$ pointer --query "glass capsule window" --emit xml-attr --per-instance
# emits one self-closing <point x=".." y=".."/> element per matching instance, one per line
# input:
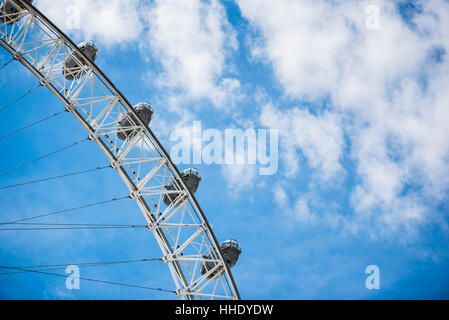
<point x="231" y="243"/>
<point x="89" y="43"/>
<point x="137" y="107"/>
<point x="143" y="105"/>
<point x="191" y="171"/>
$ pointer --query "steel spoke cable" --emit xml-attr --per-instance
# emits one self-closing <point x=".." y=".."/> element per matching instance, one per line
<point x="6" y="63"/>
<point x="32" y="124"/>
<point x="54" y="177"/>
<point x="19" y="98"/>
<point x="81" y="265"/>
<point x="70" y="228"/>
<point x="76" y="224"/>
<point x="44" y="156"/>
<point x="88" y="263"/>
<point x="65" y="210"/>
<point x="90" y="279"/>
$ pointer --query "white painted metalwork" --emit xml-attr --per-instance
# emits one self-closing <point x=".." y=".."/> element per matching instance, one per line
<point x="181" y="229"/>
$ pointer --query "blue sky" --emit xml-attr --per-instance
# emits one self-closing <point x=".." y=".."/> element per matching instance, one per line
<point x="363" y="171"/>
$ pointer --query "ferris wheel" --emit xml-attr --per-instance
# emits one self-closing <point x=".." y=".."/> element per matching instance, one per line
<point x="198" y="263"/>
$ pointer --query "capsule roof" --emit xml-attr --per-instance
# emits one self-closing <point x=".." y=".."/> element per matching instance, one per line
<point x="231" y="243"/>
<point x="191" y="171"/>
<point x="143" y="105"/>
<point x="89" y="43"/>
<point x="139" y="106"/>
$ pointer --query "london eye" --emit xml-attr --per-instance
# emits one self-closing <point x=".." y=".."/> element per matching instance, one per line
<point x="199" y="265"/>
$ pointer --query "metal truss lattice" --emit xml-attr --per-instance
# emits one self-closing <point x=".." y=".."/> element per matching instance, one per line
<point x="181" y="229"/>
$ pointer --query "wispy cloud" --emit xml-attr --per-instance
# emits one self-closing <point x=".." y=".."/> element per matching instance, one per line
<point x="102" y="19"/>
<point x="318" y="137"/>
<point x="193" y="41"/>
<point x="388" y="85"/>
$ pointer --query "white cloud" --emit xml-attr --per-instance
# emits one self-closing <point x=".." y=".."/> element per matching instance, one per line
<point x="319" y="138"/>
<point x="301" y="39"/>
<point x="239" y="179"/>
<point x="192" y="40"/>
<point x="389" y="86"/>
<point x="107" y="21"/>
<point x="300" y="211"/>
<point x="280" y="196"/>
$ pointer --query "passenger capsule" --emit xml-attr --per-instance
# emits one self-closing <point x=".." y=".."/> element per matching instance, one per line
<point x="11" y="12"/>
<point x="143" y="110"/>
<point x="74" y="64"/>
<point x="231" y="251"/>
<point x="191" y="178"/>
